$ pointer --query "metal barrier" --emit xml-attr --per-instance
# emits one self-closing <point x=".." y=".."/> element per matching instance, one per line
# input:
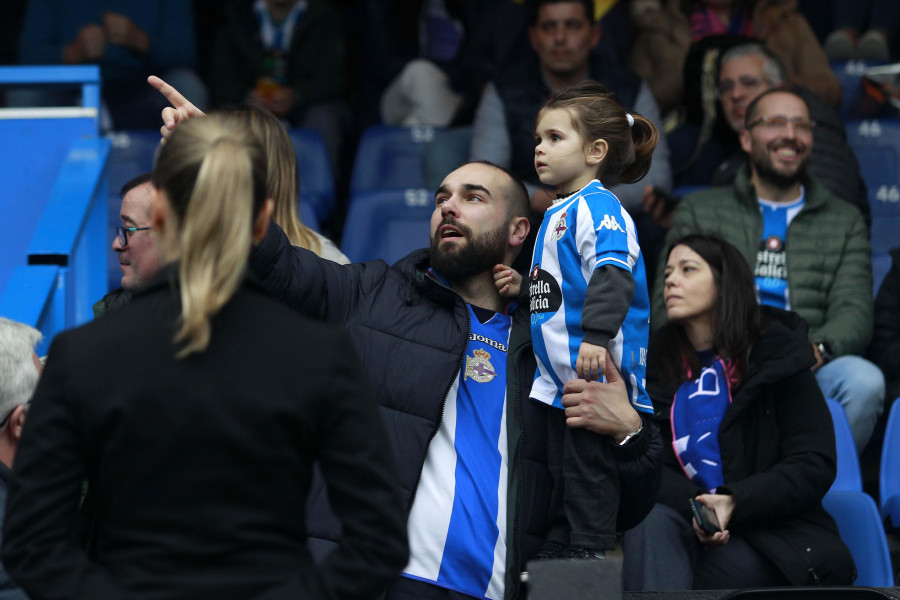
<point x="53" y="231"/>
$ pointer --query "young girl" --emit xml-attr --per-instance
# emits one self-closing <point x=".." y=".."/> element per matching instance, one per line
<point x="588" y="295"/>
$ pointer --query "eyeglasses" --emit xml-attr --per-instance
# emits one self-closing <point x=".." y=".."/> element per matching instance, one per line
<point x="122" y="233"/>
<point x="748" y="82"/>
<point x="781" y="124"/>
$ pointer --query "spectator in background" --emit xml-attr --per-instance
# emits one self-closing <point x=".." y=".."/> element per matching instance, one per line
<point x="885" y="349"/>
<point x="562" y="35"/>
<point x="426" y="60"/>
<point x="864" y="30"/>
<point x="808" y="250"/>
<point x="445" y="69"/>
<point x="746" y="71"/>
<point x="135" y="244"/>
<point x="660" y="54"/>
<point x="127" y="40"/>
<point x="19" y="372"/>
<point x="287" y="56"/>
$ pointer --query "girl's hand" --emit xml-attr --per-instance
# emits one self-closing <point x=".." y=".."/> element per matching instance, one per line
<point x="508" y="281"/>
<point x="591" y="362"/>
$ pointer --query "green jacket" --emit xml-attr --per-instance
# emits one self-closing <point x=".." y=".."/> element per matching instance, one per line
<point x="829" y="261"/>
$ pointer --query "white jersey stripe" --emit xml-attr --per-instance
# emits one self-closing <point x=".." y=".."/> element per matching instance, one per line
<point x="429" y="519"/>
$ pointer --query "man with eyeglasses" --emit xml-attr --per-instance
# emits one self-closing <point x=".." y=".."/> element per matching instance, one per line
<point x="20" y="369"/>
<point x="134" y="243"/>
<point x="746" y="71"/>
<point x="809" y="250"/>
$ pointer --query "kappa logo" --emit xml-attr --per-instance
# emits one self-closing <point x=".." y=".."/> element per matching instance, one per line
<point x="610" y="223"/>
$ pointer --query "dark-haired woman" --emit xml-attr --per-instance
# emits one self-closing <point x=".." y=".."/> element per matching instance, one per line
<point x="750" y="437"/>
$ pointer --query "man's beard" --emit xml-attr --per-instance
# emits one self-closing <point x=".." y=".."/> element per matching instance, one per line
<point x="766" y="172"/>
<point x="479" y="253"/>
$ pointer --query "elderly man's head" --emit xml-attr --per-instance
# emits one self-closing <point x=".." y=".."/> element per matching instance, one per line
<point x="745" y="72"/>
<point x="19" y="372"/>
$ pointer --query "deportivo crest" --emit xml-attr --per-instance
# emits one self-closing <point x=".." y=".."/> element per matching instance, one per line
<point x="609" y="222"/>
<point x="479" y="367"/>
<point x="560" y="228"/>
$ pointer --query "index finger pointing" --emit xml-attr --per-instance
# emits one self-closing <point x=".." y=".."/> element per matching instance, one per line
<point x="172" y="95"/>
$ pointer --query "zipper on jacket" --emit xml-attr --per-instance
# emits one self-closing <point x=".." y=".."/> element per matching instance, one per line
<point x="459" y="367"/>
<point x="516" y="549"/>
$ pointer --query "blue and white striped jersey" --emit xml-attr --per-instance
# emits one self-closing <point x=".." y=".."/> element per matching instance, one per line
<point x="770" y="270"/>
<point x="589" y="229"/>
<point x="457" y="525"/>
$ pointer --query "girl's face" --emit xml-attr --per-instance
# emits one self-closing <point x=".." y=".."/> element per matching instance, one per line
<point x="691" y="291"/>
<point x="560" y="154"/>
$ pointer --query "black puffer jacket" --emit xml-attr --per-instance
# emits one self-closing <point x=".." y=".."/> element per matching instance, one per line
<point x="411" y="333"/>
<point x="778" y="455"/>
<point x="885" y="350"/>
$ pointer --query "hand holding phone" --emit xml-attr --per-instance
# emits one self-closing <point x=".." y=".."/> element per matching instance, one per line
<point x="705" y="517"/>
<point x="670" y="201"/>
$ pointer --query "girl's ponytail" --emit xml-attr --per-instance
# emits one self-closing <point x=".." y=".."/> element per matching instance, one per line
<point x="598" y="116"/>
<point x="645" y="138"/>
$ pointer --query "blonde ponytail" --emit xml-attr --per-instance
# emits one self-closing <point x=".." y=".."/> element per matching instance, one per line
<point x="213" y="174"/>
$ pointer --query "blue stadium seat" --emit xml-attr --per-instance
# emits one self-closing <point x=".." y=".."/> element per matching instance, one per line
<point x="316" y="175"/>
<point x="849" y="476"/>
<point x="876" y="143"/>
<point x="390" y="158"/>
<point x="850" y="74"/>
<point x="387" y="224"/>
<point x="889" y="475"/>
<point x="860" y="527"/>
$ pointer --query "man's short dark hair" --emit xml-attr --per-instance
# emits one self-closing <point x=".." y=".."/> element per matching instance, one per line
<point x="139" y="180"/>
<point x="517" y="200"/>
<point x="752" y="107"/>
<point x="588" y="6"/>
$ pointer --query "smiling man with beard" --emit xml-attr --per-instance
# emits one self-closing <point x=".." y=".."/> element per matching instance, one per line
<point x="809" y="250"/>
<point x="451" y="362"/>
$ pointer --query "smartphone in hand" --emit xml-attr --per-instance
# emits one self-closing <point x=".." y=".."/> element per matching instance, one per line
<point x="705" y="517"/>
<point x="670" y="201"/>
